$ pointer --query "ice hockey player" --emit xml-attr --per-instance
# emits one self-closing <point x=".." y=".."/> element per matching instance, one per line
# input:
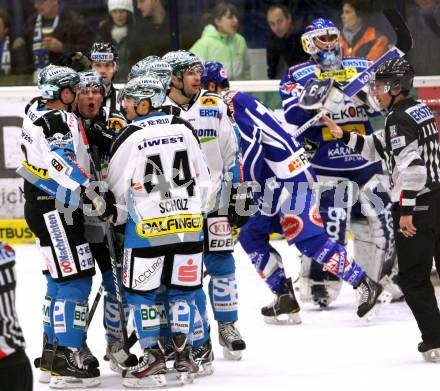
<point x="207" y="113"/>
<point x="98" y="122"/>
<point x="164" y="186"/>
<point x="277" y="162"/>
<point x="409" y="145"/>
<point x="285" y="310"/>
<point x="140" y="67"/>
<point x="339" y="168"/>
<point x="104" y="60"/>
<point x="53" y="148"/>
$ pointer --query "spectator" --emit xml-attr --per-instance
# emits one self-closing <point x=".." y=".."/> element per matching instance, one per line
<point x="152" y="32"/>
<point x="51" y="32"/>
<point x="357" y="38"/>
<point x="118" y="29"/>
<point x="424" y="23"/>
<point x="221" y="42"/>
<point x="15" y="369"/>
<point x="11" y="61"/>
<point x="284" y="47"/>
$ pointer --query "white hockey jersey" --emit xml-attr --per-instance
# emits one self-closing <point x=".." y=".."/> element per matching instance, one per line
<point x="208" y="116"/>
<point x="51" y="141"/>
<point x="158" y="174"/>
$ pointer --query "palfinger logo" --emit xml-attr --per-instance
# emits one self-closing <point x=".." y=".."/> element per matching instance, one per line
<point x="169" y="225"/>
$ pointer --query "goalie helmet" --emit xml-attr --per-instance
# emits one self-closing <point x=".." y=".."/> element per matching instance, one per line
<point x="321" y="40"/>
<point x="182" y="60"/>
<point x="397" y="74"/>
<point x="91" y="79"/>
<point x="53" y="79"/>
<point x="214" y="71"/>
<point x="147" y="86"/>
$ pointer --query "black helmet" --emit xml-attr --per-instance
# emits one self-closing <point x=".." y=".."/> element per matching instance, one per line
<point x="398" y="72"/>
<point x="104" y="52"/>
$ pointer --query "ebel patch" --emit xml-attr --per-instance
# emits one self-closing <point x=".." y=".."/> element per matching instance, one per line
<point x="397" y="142"/>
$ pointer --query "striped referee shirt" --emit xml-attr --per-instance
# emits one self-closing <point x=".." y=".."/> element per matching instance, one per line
<point x="11" y="336"/>
<point x="409" y="145"/>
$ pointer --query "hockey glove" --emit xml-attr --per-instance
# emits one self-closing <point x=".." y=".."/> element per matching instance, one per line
<point x="240" y="204"/>
<point x="104" y="204"/>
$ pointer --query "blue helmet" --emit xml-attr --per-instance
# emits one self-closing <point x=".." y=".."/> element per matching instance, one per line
<point x="328" y="54"/>
<point x="214" y="71"/>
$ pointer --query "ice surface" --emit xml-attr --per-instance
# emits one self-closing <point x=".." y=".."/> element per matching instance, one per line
<point x="331" y="350"/>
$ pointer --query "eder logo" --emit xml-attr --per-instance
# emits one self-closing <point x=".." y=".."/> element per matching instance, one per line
<point x="188" y="272"/>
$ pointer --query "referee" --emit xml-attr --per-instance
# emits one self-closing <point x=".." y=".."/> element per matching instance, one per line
<point x="410" y="149"/>
<point x="15" y="369"/>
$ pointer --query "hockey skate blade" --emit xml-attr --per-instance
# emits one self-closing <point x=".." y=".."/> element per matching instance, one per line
<point x="383" y="300"/>
<point x="184" y="377"/>
<point x="284" y="319"/>
<point x="148" y="382"/>
<point x="432" y="355"/>
<point x="63" y="382"/>
<point x="232" y="355"/>
<point x="44" y="376"/>
<point x="206" y="369"/>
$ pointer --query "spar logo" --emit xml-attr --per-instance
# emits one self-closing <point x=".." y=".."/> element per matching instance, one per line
<point x="60" y="243"/>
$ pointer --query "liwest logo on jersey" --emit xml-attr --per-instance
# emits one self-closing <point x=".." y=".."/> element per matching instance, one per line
<point x="169" y="225"/>
<point x="60" y="243"/>
<point x="209" y="101"/>
<point x="159" y="141"/>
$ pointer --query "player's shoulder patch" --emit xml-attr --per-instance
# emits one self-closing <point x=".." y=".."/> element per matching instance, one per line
<point x="419" y="113"/>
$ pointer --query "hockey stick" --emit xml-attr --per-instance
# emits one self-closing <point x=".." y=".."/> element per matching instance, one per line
<point x="96" y="170"/>
<point x="94" y="306"/>
<point x="403" y="45"/>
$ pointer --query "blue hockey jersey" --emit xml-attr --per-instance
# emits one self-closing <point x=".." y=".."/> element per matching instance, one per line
<point x="271" y="156"/>
<point x="329" y="156"/>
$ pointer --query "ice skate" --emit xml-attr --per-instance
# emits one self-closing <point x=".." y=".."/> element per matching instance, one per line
<point x="231" y="340"/>
<point x="87" y="358"/>
<point x="372" y="298"/>
<point x="149" y="373"/>
<point x="284" y="310"/>
<point x="320" y="295"/>
<point x="118" y="358"/>
<point x="204" y="356"/>
<point x="430" y="353"/>
<point x="184" y="363"/>
<point x="68" y="372"/>
<point x="45" y="361"/>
